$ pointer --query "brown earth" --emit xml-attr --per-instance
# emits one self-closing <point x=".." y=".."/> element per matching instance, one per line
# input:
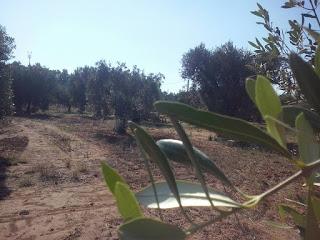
<point x="51" y="186"/>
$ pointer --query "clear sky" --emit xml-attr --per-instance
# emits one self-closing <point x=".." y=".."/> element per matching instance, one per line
<point x="152" y="34"/>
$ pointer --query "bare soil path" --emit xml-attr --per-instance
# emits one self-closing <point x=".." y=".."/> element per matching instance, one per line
<point x="52" y="187"/>
<point x="59" y="207"/>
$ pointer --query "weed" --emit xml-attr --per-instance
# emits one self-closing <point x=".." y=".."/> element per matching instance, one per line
<point x="25" y="181"/>
<point x="67" y="163"/>
<point x="82" y="167"/>
<point x="47" y="172"/>
<point x="75" y="175"/>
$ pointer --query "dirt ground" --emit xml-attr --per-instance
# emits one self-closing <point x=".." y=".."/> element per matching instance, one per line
<point x="51" y="185"/>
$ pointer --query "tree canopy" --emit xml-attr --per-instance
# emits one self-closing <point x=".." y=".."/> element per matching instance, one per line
<point x="6" y="49"/>
<point x="272" y="51"/>
<point x="220" y="76"/>
<point x="128" y="94"/>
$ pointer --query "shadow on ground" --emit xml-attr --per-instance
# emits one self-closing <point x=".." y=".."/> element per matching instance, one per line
<point x="10" y="148"/>
<point x="4" y="190"/>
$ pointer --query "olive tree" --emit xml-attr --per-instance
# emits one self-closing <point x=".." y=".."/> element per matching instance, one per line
<point x="302" y="122"/>
<point x="219" y="75"/>
<point x="6" y="48"/>
<point x="273" y="50"/>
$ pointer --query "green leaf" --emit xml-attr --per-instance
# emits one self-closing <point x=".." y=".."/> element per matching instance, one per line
<point x="251" y="89"/>
<point x="193" y="158"/>
<point x="309" y="149"/>
<point x="127" y="203"/>
<point x="253" y="45"/>
<point x="308" y="80"/>
<point x="233" y="127"/>
<point x="316" y="206"/>
<point x="317" y="62"/>
<point x="111" y="177"/>
<point x="315" y="35"/>
<point x="269" y="104"/>
<point x="146" y="162"/>
<point x="175" y="151"/>
<point x="280" y="123"/>
<point x="149" y="229"/>
<point x="191" y="195"/>
<point x="277" y="225"/>
<point x="298" y="218"/>
<point x="154" y="152"/>
<point x="257" y="13"/>
<point x="312" y="226"/>
<point x="291" y="112"/>
<point x="307" y="15"/>
<point x="266" y="97"/>
<point x="289" y="4"/>
<point x="260" y="45"/>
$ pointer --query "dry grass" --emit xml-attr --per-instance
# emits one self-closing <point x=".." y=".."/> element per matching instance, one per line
<point x="47" y="172"/>
<point x="25" y="181"/>
<point x="67" y="163"/>
<point x="63" y="141"/>
<point x="75" y="175"/>
<point x="79" y="168"/>
<point x="82" y="167"/>
<point x="93" y="141"/>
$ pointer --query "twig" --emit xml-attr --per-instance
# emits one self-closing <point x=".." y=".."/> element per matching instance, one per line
<point x="235" y="214"/>
<point x="314" y="11"/>
<point x="253" y="202"/>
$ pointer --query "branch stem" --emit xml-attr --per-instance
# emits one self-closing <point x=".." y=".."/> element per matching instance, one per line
<point x="305" y="172"/>
<point x="314" y="12"/>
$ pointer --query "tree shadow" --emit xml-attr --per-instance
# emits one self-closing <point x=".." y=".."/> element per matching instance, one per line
<point x="10" y="149"/>
<point x="39" y="116"/>
<point x="4" y="190"/>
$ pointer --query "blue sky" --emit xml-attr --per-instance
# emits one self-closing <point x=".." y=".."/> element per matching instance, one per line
<point x="152" y="34"/>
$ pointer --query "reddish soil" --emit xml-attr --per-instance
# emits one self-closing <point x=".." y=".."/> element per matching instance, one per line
<point x="51" y="186"/>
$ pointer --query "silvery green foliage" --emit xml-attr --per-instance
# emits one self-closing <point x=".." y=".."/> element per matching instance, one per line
<point x="177" y="194"/>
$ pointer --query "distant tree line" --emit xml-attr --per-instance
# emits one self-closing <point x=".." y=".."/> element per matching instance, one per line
<point x="102" y="89"/>
<point x="128" y="94"/>
<point x="216" y="81"/>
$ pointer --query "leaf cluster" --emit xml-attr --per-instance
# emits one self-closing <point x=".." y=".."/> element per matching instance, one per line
<point x="172" y="193"/>
<point x="273" y="50"/>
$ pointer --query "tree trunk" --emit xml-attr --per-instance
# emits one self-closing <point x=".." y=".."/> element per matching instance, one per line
<point x="28" y="108"/>
<point x="120" y="126"/>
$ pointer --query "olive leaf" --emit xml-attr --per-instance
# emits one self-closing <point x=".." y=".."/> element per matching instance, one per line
<point x="233" y="127"/>
<point x="148" y="229"/>
<point x="269" y="104"/>
<point x="175" y="151"/>
<point x="191" y="195"/>
<point x="308" y="80"/>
